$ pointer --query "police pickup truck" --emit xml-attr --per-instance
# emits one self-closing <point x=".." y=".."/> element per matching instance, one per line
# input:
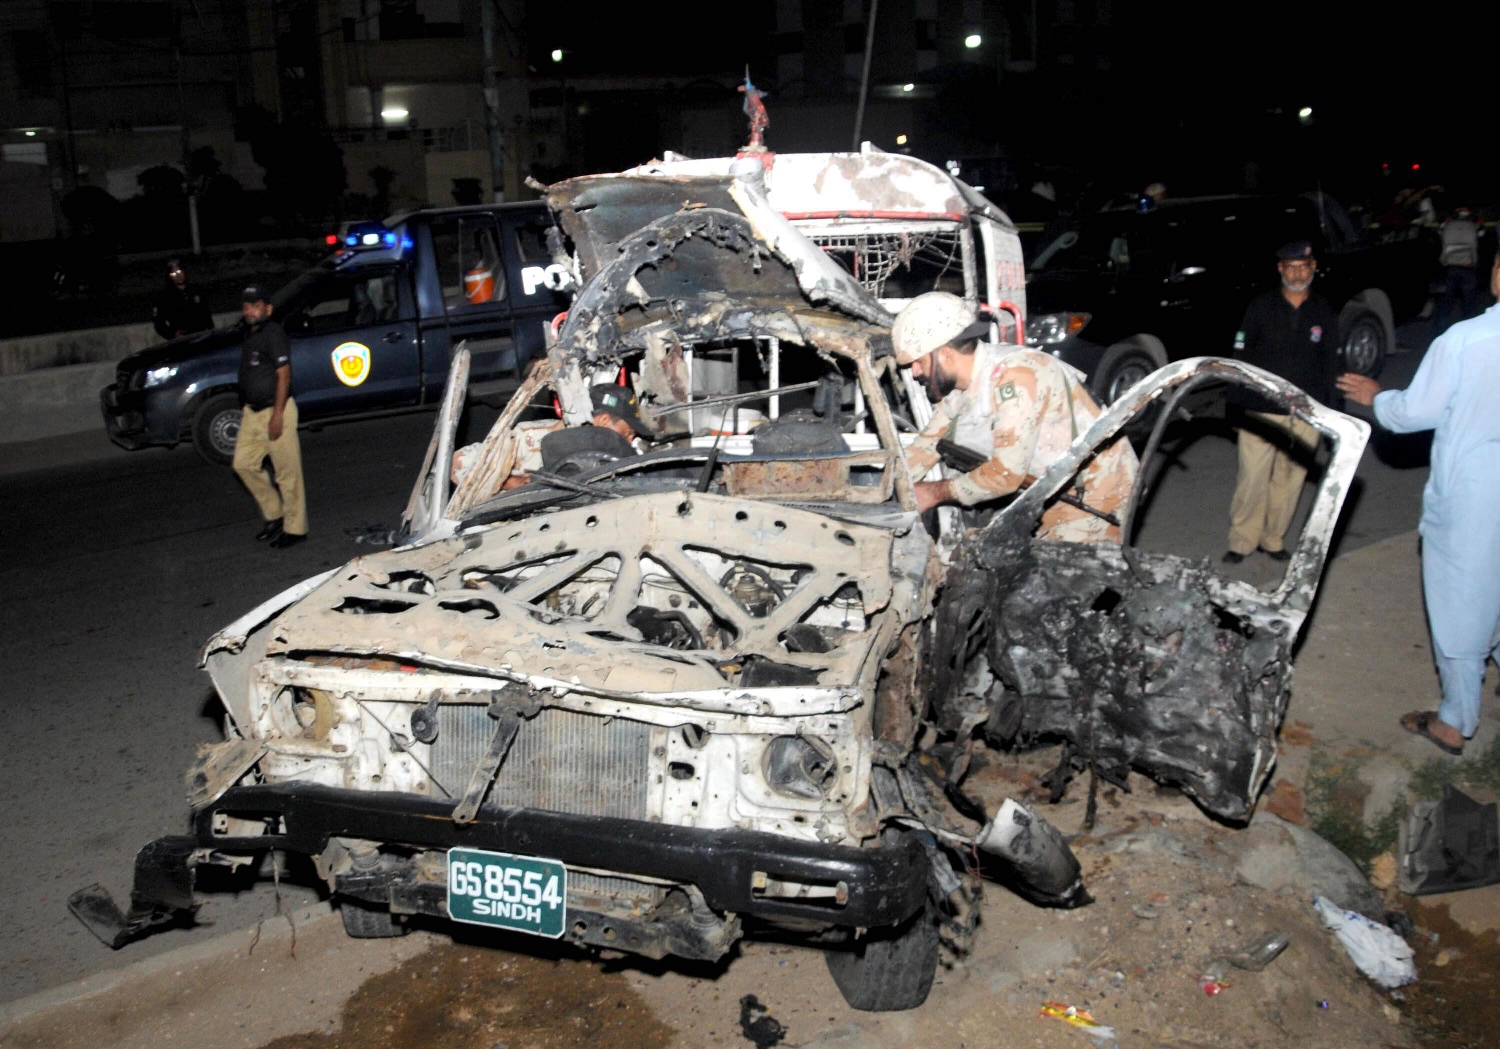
<point x="372" y="328"/>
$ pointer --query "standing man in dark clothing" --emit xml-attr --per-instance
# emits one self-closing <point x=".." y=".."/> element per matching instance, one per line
<point x="268" y="424"/>
<point x="1292" y="333"/>
<point x="178" y="308"/>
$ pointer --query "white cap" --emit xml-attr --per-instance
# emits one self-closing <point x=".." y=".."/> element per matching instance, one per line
<point x="931" y="320"/>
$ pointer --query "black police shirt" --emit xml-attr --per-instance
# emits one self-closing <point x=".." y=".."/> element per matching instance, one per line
<point x="265" y="349"/>
<point x="1298" y="343"/>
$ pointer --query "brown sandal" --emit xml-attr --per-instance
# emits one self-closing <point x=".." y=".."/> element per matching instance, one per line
<point x="1419" y="723"/>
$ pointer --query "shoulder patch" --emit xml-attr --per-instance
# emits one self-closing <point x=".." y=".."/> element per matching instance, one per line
<point x="1006" y="392"/>
<point x="1239" y="340"/>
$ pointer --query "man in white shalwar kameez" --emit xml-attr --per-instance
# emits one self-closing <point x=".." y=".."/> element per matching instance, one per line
<point x="1455" y="393"/>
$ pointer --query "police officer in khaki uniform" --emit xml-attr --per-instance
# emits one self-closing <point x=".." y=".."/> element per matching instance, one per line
<point x="1019" y="407"/>
<point x="1294" y="333"/>
<point x="268" y="424"/>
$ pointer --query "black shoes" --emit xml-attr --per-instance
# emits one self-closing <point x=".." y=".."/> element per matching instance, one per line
<point x="1232" y="558"/>
<point x="286" y="539"/>
<point x="269" y="530"/>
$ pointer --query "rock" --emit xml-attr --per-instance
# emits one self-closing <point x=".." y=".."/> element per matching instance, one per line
<point x="1322" y="870"/>
<point x="1383" y="871"/>
<point x="1153" y="840"/>
<point x="847" y="1036"/>
<point x="1041" y="952"/>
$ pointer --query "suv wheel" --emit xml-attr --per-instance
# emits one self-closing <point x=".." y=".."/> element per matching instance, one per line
<point x="1364" y="346"/>
<point x="1122" y="366"/>
<point x="890" y="969"/>
<point x="216" y="426"/>
<point x="363" y="922"/>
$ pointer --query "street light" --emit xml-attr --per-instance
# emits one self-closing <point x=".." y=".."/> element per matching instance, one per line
<point x="557" y="54"/>
<point x="900" y="140"/>
<point x="30" y="133"/>
<point x="1305" y="113"/>
<point x="393" y="114"/>
<point x="973" y="40"/>
<point x="908" y="87"/>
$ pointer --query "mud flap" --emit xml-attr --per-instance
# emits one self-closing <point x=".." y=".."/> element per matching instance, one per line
<point x="163" y="890"/>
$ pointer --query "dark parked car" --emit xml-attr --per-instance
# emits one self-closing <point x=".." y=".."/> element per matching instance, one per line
<point x="372" y="327"/>
<point x="1123" y="292"/>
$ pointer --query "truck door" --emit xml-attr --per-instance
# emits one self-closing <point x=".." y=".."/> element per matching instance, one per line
<point x="354" y="342"/>
<point x="543" y="287"/>
<point x="477" y="290"/>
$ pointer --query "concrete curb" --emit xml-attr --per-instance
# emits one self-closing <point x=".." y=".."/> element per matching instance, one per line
<point x="59" y="349"/>
<point x="52" y="402"/>
<point x="190" y="954"/>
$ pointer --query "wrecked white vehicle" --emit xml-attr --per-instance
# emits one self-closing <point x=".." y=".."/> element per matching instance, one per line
<point x="656" y="700"/>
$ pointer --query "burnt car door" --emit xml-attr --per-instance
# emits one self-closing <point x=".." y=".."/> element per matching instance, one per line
<point x="1134" y="659"/>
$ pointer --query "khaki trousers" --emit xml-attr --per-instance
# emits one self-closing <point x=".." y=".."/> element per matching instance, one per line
<point x="284" y="497"/>
<point x="1269" y="483"/>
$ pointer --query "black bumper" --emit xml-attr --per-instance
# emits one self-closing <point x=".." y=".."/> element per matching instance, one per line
<point x="884" y="886"/>
<point x="125" y="417"/>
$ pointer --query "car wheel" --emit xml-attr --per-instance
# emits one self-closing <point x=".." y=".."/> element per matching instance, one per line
<point x="1364" y="347"/>
<point x="363" y="922"/>
<point x="216" y="426"/>
<point x="889" y="970"/>
<point x="1122" y="366"/>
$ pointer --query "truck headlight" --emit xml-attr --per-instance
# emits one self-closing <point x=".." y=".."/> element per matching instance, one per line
<point x="802" y="766"/>
<point x="1048" y="329"/>
<point x="157" y="376"/>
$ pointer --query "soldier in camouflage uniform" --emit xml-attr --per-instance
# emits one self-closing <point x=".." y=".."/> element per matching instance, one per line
<point x="1020" y="407"/>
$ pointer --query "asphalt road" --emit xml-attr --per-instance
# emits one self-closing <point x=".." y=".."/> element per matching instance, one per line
<point x="117" y="567"/>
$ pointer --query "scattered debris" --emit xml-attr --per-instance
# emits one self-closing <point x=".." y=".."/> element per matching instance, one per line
<point x="1079" y="1018"/>
<point x="1375" y="950"/>
<point x="1259" y="953"/>
<point x="758" y="1025"/>
<point x="1449" y="845"/>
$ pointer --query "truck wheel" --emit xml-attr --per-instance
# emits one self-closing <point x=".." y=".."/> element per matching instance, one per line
<point x="890" y="972"/>
<point x="1122" y="366"/>
<point x="364" y="922"/>
<point x="1364" y="346"/>
<point x="216" y="425"/>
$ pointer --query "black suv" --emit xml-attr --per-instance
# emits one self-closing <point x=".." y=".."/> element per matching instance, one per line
<point x="1121" y="293"/>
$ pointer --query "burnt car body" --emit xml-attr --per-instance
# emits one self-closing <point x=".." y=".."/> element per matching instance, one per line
<point x="724" y="686"/>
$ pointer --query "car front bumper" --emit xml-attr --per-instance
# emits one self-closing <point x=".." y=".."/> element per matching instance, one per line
<point x="877" y="887"/>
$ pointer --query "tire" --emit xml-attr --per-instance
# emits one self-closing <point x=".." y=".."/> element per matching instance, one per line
<point x="1365" y="343"/>
<point x="216" y="425"/>
<point x="1122" y="366"/>
<point x="891" y="972"/>
<point x="364" y="922"/>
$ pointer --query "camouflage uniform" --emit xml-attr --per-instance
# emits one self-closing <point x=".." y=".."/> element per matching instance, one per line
<point x="1023" y="409"/>
<point x="521" y="454"/>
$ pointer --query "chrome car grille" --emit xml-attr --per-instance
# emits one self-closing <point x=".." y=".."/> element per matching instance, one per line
<point x="560" y="761"/>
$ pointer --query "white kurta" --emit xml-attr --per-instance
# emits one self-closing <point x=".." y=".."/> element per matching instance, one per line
<point x="1456" y="393"/>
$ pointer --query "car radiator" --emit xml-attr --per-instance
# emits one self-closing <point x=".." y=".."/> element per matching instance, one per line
<point x="560" y="761"/>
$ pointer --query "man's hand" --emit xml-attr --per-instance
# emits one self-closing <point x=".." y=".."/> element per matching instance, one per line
<point x="275" y="428"/>
<point x="932" y="493"/>
<point x="1358" y="388"/>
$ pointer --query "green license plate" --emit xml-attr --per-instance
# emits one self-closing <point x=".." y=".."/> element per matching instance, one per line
<point x="523" y="893"/>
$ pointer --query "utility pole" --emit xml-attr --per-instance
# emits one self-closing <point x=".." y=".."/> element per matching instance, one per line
<point x="864" y="79"/>
<point x="187" y="151"/>
<point x="492" y="101"/>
